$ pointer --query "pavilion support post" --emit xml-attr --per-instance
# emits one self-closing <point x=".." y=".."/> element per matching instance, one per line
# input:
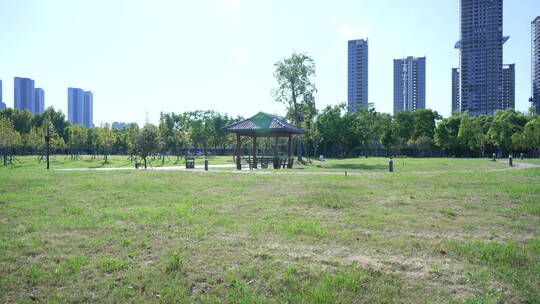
<point x="238" y="144"/>
<point x="289" y="143"/>
<point x="276" y="147"/>
<point x="254" y="152"/>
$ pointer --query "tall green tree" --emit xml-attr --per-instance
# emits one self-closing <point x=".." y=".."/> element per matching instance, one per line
<point x="296" y="89"/>
<point x="505" y="124"/>
<point x="446" y="135"/>
<point x="148" y="141"/>
<point x="76" y="140"/>
<point x="106" y="140"/>
<point x="10" y="140"/>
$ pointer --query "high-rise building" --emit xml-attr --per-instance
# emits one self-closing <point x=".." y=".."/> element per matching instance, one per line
<point x="2" y="104"/>
<point x="88" y="109"/>
<point x="409" y="84"/>
<point x="80" y="107"/>
<point x="508" y="86"/>
<point x="535" y="68"/>
<point x="357" y="74"/>
<point x="455" y="90"/>
<point x="481" y="56"/>
<point x="39" y="100"/>
<point x="1" y="90"/>
<point x="24" y="94"/>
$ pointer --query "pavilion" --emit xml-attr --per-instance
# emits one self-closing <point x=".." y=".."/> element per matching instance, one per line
<point x="263" y="125"/>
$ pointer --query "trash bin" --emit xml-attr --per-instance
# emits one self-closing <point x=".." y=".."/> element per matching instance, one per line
<point x="190" y="163"/>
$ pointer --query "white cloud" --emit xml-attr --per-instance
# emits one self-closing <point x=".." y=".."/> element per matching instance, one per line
<point x="350" y="33"/>
<point x="240" y="55"/>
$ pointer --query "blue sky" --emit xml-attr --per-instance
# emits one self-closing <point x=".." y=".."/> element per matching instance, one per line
<point x="143" y="57"/>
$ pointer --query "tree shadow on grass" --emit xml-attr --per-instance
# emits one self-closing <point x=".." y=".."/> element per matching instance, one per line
<point x="365" y="167"/>
<point x="96" y="163"/>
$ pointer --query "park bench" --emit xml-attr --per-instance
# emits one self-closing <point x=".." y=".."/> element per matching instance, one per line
<point x="264" y="161"/>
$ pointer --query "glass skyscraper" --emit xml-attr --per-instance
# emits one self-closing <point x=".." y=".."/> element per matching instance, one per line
<point x="2" y="104"/>
<point x="357" y="74"/>
<point x="535" y="68"/>
<point x="509" y="86"/>
<point x="24" y="94"/>
<point x="80" y="107"/>
<point x="409" y="84"/>
<point x="481" y="56"/>
<point x="39" y="100"/>
<point x="455" y="90"/>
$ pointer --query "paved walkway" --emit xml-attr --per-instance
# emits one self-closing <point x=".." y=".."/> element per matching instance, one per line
<point x="517" y="166"/>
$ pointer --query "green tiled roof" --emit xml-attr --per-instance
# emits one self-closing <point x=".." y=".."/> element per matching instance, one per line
<point x="263" y="124"/>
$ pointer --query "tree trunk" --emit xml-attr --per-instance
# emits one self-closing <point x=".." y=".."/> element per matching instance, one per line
<point x="297" y="117"/>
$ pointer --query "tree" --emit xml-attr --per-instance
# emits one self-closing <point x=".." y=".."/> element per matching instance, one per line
<point x="532" y="135"/>
<point x="21" y="120"/>
<point x="391" y="140"/>
<point x="424" y="123"/>
<point x="199" y="124"/>
<point x="505" y="124"/>
<point x="330" y="125"/>
<point x="131" y="138"/>
<point x="296" y="88"/>
<point x="35" y="141"/>
<point x="148" y="141"/>
<point x="466" y="132"/>
<point x="92" y="141"/>
<point x="106" y="139"/>
<point x="57" y="119"/>
<point x="76" y="140"/>
<point x="481" y="125"/>
<point x="404" y="125"/>
<point x="446" y="134"/>
<point x="10" y="140"/>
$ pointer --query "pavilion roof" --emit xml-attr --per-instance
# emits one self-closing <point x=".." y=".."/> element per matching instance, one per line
<point x="263" y="124"/>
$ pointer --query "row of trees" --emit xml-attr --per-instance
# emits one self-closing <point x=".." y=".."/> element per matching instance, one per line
<point x="24" y="133"/>
<point x="332" y="132"/>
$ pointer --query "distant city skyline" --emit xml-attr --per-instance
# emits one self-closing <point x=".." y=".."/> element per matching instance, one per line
<point x="219" y="54"/>
<point x="409" y="84"/>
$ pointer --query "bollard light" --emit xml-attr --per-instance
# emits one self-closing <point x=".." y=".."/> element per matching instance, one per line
<point x="391" y="165"/>
<point x="510" y="160"/>
<point x="206" y="164"/>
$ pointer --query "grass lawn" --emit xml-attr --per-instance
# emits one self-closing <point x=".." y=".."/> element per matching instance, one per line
<point x="372" y="164"/>
<point x="179" y="237"/>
